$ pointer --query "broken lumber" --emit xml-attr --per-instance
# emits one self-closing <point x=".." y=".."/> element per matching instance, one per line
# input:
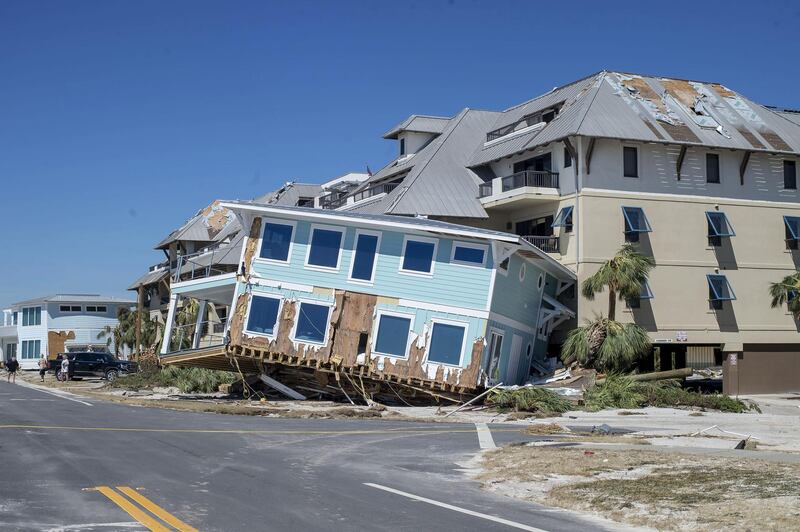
<point x="285" y="390"/>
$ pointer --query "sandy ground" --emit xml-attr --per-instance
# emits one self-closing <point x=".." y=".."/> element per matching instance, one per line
<point x="661" y="490"/>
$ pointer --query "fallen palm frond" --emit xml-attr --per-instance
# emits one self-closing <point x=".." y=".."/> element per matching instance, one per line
<point x="623" y="392"/>
<point x="529" y="399"/>
<point x="187" y="380"/>
<point x="605" y="345"/>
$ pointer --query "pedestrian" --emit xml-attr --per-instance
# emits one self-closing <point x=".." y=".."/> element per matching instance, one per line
<point x="12" y="366"/>
<point x="42" y="367"/>
<point x="71" y="371"/>
<point x="65" y="368"/>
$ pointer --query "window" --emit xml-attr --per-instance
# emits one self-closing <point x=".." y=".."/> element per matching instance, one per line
<point x="468" y="254"/>
<point x="522" y="271"/>
<point x="402" y="146"/>
<point x="447" y="343"/>
<point x="311" y="324"/>
<point x="15" y="318"/>
<point x="31" y="349"/>
<point x="718" y="227"/>
<point x="31" y="316"/>
<point x="712" y="168"/>
<point x="630" y="159"/>
<point x="503" y="266"/>
<point x="99" y="308"/>
<point x="305" y="202"/>
<point x="11" y="351"/>
<point x="719" y="290"/>
<point x="364" y="255"/>
<point x="262" y="317"/>
<point x="392" y="338"/>
<point x="567" y="158"/>
<point x="564" y="219"/>
<point x="635" y="222"/>
<point x="644" y="293"/>
<point x="325" y="248"/>
<point x="418" y="255"/>
<point x="789" y="175"/>
<point x="792" y="224"/>
<point x="276" y="241"/>
<point x="70" y="308"/>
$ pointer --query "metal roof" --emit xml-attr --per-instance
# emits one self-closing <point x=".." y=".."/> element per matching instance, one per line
<point x="414" y="224"/>
<point x="205" y="226"/>
<point x="649" y="109"/>
<point x="419" y="124"/>
<point x="150" y="278"/>
<point x="73" y="298"/>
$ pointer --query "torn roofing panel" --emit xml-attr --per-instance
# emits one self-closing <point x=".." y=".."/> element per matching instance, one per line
<point x="205" y="226"/>
<point x="150" y="278"/>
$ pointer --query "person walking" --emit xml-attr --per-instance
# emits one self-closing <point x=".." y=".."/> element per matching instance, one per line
<point x="42" y="367"/>
<point x="12" y="366"/>
<point x="65" y="368"/>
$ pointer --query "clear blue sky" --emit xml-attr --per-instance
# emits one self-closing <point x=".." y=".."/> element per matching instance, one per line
<point x="119" y="119"/>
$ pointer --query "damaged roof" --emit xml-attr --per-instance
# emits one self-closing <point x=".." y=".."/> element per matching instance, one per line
<point x="418" y="124"/>
<point x="206" y="226"/>
<point x="410" y="223"/>
<point x="648" y="109"/>
<point x="150" y="277"/>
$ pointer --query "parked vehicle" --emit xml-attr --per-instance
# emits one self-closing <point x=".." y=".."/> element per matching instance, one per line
<point x="93" y="364"/>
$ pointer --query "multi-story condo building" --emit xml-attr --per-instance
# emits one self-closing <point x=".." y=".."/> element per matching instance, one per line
<point x="701" y="178"/>
<point x="55" y="324"/>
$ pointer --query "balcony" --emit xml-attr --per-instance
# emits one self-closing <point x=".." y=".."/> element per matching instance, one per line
<point x="519" y="189"/>
<point x="332" y="201"/>
<point x="548" y="244"/>
<point x="383" y="188"/>
<point x="200" y="265"/>
<point x="198" y="335"/>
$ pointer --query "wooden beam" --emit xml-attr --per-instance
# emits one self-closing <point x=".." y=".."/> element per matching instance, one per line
<point x="589" y="152"/>
<point x="679" y="164"/>
<point x="743" y="166"/>
<point x="285" y="390"/>
<point x="572" y="153"/>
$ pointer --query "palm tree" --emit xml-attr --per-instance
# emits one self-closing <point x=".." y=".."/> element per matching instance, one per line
<point x="623" y="275"/>
<point x="786" y="291"/>
<point x="604" y="343"/>
<point x="124" y="333"/>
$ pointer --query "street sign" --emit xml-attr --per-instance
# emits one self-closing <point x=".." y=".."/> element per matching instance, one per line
<point x="733" y="359"/>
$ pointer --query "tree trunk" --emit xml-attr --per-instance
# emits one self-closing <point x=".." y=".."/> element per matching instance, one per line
<point x="612" y="303"/>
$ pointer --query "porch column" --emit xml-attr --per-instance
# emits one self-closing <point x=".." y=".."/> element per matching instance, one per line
<point x="173" y="303"/>
<point x="198" y="326"/>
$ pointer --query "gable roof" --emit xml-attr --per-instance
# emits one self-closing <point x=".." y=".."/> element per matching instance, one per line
<point x="648" y="109"/>
<point x="419" y="124"/>
<point x="209" y="224"/>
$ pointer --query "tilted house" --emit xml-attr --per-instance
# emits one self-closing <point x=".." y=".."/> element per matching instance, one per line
<point x="386" y="298"/>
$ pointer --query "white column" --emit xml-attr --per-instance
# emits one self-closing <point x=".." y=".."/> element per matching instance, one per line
<point x="173" y="303"/>
<point x="198" y="326"/>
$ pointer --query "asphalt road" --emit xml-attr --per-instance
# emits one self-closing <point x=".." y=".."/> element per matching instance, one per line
<point x="70" y="465"/>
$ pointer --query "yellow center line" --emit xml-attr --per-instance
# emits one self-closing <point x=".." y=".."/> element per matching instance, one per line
<point x="132" y="510"/>
<point x="156" y="510"/>
<point x="470" y="430"/>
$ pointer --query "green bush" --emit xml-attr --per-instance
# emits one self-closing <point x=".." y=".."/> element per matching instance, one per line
<point x="529" y="399"/>
<point x="623" y="392"/>
<point x="187" y="380"/>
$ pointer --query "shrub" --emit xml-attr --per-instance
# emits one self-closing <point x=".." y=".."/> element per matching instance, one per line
<point x="187" y="380"/>
<point x="529" y="399"/>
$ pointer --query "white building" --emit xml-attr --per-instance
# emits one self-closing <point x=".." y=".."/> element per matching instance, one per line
<point x="56" y="324"/>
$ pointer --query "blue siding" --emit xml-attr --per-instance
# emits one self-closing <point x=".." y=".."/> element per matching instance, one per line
<point x="515" y="299"/>
<point x="523" y="366"/>
<point x="451" y="284"/>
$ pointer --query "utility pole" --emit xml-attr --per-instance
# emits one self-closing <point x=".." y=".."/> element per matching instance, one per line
<point x="139" y="308"/>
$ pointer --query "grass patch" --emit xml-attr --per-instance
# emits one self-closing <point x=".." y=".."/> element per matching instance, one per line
<point x="622" y="392"/>
<point x="187" y="380"/>
<point x="538" y="400"/>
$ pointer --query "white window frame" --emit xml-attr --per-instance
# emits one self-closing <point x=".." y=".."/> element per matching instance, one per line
<point x="297" y="320"/>
<point x="424" y="239"/>
<point x="30" y="315"/>
<point x="376" y="328"/>
<point x="333" y="228"/>
<point x="638" y="161"/>
<point x="443" y="321"/>
<point x="254" y="295"/>
<point x="523" y="271"/>
<point x="470" y="245"/>
<point x="360" y="232"/>
<point x="276" y="221"/>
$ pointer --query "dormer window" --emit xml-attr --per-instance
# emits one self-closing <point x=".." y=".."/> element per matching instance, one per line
<point x="402" y="146"/>
<point x="543" y="116"/>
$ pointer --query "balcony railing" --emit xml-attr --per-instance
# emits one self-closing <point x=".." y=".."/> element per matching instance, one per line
<point x="189" y="267"/>
<point x="530" y="178"/>
<point x="485" y="190"/>
<point x="188" y="336"/>
<point x="548" y="244"/>
<point x="384" y="188"/>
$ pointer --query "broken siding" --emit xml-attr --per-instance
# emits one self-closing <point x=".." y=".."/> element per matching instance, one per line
<point x="451" y="284"/>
